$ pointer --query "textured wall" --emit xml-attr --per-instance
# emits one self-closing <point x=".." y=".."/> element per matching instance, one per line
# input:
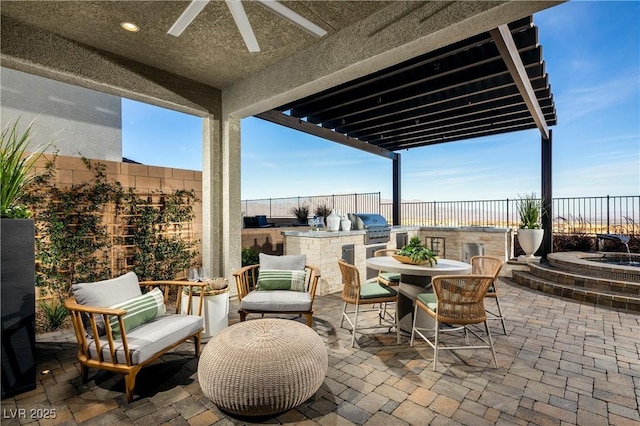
<point x="82" y="122"/>
<point x="145" y="179"/>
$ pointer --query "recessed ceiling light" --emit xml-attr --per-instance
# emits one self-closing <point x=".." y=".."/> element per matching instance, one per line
<point x="130" y="26"/>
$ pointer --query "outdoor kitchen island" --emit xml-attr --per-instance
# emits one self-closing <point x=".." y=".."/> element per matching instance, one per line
<point x="324" y="248"/>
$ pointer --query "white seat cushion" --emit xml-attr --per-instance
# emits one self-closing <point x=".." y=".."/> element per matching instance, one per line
<point x="151" y="337"/>
<point x="276" y="301"/>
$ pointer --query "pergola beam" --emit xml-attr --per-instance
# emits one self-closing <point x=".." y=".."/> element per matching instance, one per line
<point x="303" y="126"/>
<point x="509" y="52"/>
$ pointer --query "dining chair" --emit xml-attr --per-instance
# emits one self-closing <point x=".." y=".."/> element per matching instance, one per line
<point x="357" y="294"/>
<point x="387" y="278"/>
<point x="458" y="301"/>
<point x="384" y="277"/>
<point x="489" y="265"/>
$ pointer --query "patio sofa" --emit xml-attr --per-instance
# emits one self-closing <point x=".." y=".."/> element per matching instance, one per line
<point x="120" y="329"/>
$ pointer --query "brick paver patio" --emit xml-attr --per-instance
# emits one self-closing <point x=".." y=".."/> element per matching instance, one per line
<point x="563" y="362"/>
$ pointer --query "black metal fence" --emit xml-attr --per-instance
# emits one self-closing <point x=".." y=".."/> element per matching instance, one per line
<point x="590" y="215"/>
<point x="281" y="207"/>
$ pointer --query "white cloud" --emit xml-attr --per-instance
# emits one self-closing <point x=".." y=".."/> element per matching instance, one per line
<point x="580" y="101"/>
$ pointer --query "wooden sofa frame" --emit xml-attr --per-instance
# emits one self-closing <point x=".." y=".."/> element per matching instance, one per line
<point x="79" y="312"/>
<point x="247" y="277"/>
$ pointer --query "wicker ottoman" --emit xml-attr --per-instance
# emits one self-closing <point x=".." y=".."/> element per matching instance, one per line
<point x="262" y="367"/>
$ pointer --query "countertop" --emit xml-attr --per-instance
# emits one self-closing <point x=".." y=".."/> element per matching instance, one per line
<point x="324" y="233"/>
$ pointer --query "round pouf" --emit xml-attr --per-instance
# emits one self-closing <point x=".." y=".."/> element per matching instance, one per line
<point x="262" y="367"/>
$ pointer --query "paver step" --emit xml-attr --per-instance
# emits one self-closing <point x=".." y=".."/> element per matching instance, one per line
<point x="602" y="298"/>
<point x="586" y="282"/>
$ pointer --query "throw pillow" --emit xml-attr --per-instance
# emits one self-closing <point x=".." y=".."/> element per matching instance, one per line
<point x="286" y="263"/>
<point x="106" y="293"/>
<point x="139" y="310"/>
<point x="269" y="279"/>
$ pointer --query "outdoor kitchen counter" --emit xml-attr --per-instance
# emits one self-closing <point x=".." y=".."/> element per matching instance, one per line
<point x="324" y="248"/>
<point x="324" y="233"/>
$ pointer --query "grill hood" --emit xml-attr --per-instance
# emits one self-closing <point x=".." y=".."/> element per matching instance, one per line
<point x="368" y="221"/>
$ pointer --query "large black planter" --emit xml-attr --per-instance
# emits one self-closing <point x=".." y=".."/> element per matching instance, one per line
<point x="17" y="287"/>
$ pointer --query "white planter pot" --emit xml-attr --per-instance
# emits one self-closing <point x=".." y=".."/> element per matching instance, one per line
<point x="215" y="311"/>
<point x="333" y="222"/>
<point x="530" y="240"/>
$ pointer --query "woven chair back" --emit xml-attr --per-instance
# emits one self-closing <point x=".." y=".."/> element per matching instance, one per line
<point x="384" y="252"/>
<point x="486" y="265"/>
<point x="350" y="281"/>
<point x="460" y="298"/>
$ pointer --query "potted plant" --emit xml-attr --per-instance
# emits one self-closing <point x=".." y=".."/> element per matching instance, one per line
<point x="322" y="211"/>
<point x="416" y="253"/>
<point x="17" y="275"/>
<point x="530" y="232"/>
<point x="302" y="213"/>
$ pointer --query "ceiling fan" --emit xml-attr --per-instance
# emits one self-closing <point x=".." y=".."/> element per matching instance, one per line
<point x="242" y="21"/>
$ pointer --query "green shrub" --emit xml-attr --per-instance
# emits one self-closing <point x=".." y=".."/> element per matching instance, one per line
<point x="572" y="235"/>
<point x="250" y="256"/>
<point x="16" y="165"/>
<point x="53" y="314"/>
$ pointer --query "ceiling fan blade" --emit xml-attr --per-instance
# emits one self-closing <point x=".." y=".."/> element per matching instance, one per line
<point x="242" y="22"/>
<point x="296" y="19"/>
<point x="189" y="14"/>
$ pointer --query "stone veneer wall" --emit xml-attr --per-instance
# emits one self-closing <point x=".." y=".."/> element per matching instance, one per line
<point x="496" y="241"/>
<point x="325" y="252"/>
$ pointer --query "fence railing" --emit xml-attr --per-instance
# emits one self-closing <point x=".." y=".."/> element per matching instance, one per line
<point x="591" y="215"/>
<point x="281" y="207"/>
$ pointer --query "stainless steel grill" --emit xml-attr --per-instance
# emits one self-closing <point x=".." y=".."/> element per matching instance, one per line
<point x="378" y="230"/>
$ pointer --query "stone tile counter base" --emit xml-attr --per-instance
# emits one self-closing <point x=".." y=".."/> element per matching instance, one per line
<point x="324" y="248"/>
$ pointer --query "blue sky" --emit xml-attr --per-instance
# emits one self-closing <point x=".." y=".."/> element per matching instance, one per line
<point x="592" y="55"/>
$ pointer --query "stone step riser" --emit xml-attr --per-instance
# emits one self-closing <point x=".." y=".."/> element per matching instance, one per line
<point x="620" y="301"/>
<point x="585" y="282"/>
<point x="595" y="270"/>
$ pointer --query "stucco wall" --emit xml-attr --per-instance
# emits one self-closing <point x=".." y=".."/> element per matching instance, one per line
<point x="81" y="122"/>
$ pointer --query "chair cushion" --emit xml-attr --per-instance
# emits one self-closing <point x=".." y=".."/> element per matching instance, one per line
<point x="373" y="290"/>
<point x="151" y="337"/>
<point x="390" y="276"/>
<point x="429" y="299"/>
<point x="289" y="262"/>
<point x="107" y="293"/>
<point x="276" y="301"/>
<point x="140" y="309"/>
<point x="270" y="279"/>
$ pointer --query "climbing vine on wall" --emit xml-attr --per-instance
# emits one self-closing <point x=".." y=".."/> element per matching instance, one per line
<point x="72" y="239"/>
<point x="155" y="233"/>
<point x="96" y="230"/>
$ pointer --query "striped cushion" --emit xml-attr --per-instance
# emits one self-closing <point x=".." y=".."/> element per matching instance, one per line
<point x="139" y="310"/>
<point x="272" y="279"/>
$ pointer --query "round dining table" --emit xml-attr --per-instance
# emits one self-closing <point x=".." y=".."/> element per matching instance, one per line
<point x="414" y="280"/>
